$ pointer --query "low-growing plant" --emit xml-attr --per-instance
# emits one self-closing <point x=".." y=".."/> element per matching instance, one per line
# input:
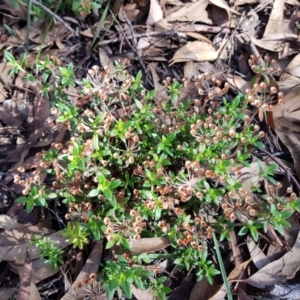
<point x="53" y="255"/>
<point x="137" y="166"/>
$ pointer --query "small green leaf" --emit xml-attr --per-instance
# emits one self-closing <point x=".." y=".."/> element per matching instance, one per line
<point x="114" y="184"/>
<point x="93" y="193"/>
<point x="286" y="214"/>
<point x="21" y="200"/>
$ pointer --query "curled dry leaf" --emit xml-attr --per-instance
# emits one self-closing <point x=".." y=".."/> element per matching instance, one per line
<point x="40" y="269"/>
<point x="278" y="271"/>
<point x="191" y="12"/>
<point x="148" y="245"/>
<point x="292" y="71"/>
<point x="259" y="258"/>
<point x="224" y="5"/>
<point x="25" y="279"/>
<point x="155" y="13"/>
<point x="142" y="294"/>
<point x="196" y="51"/>
<point x="6" y="293"/>
<point x="9" y="223"/>
<point x="234" y="274"/>
<point x="285" y="118"/>
<point x="276" y="18"/>
<point x="203" y="290"/>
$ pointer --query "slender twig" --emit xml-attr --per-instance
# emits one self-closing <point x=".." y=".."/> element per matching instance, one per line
<point x="28" y="25"/>
<point x="60" y="221"/>
<point x="46" y="9"/>
<point x="140" y="35"/>
<point x="134" y="48"/>
<point x="134" y="43"/>
<point x="295" y="181"/>
<point x="233" y="33"/>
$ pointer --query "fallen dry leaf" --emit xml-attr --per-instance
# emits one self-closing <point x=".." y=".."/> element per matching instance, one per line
<point x="278" y="271"/>
<point x="148" y="245"/>
<point x="224" y="5"/>
<point x="292" y="71"/>
<point x="191" y="12"/>
<point x="203" y="290"/>
<point x="91" y="266"/>
<point x="9" y="223"/>
<point x="287" y="129"/>
<point x="259" y="258"/>
<point x="40" y="269"/>
<point x="197" y="51"/>
<point x="34" y="293"/>
<point x="276" y="17"/>
<point x="25" y="279"/>
<point x="6" y="293"/>
<point x="142" y="295"/>
<point x="155" y="13"/>
<point x="234" y="274"/>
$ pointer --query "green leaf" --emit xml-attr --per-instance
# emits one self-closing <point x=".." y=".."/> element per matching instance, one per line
<point x="138" y="283"/>
<point x="114" y="284"/>
<point x="51" y="196"/>
<point x="29" y="206"/>
<point x="9" y="57"/>
<point x="93" y="193"/>
<point x="244" y="230"/>
<point x="22" y="200"/>
<point x="125" y="244"/>
<point x="286" y="214"/>
<point x="254" y="233"/>
<point x="110" y="244"/>
<point x="114" y="184"/>
<point x="108" y="194"/>
<point x="126" y="289"/>
<point x="271" y="168"/>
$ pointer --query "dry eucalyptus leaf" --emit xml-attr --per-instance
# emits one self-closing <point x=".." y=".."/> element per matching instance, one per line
<point x="203" y="290"/>
<point x="191" y="12"/>
<point x="270" y="45"/>
<point x="276" y="17"/>
<point x="142" y="295"/>
<point x="259" y="258"/>
<point x="190" y="70"/>
<point x="132" y="13"/>
<point x="224" y="5"/>
<point x="25" y="279"/>
<point x="91" y="266"/>
<point x="234" y="274"/>
<point x="292" y="70"/>
<point x="21" y="11"/>
<point x="6" y="293"/>
<point x="40" y="269"/>
<point x="196" y="51"/>
<point x="286" y="118"/>
<point x="278" y="271"/>
<point x="34" y="293"/>
<point x="145" y="245"/>
<point x="250" y="175"/>
<point x="155" y="13"/>
<point x="9" y="223"/>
